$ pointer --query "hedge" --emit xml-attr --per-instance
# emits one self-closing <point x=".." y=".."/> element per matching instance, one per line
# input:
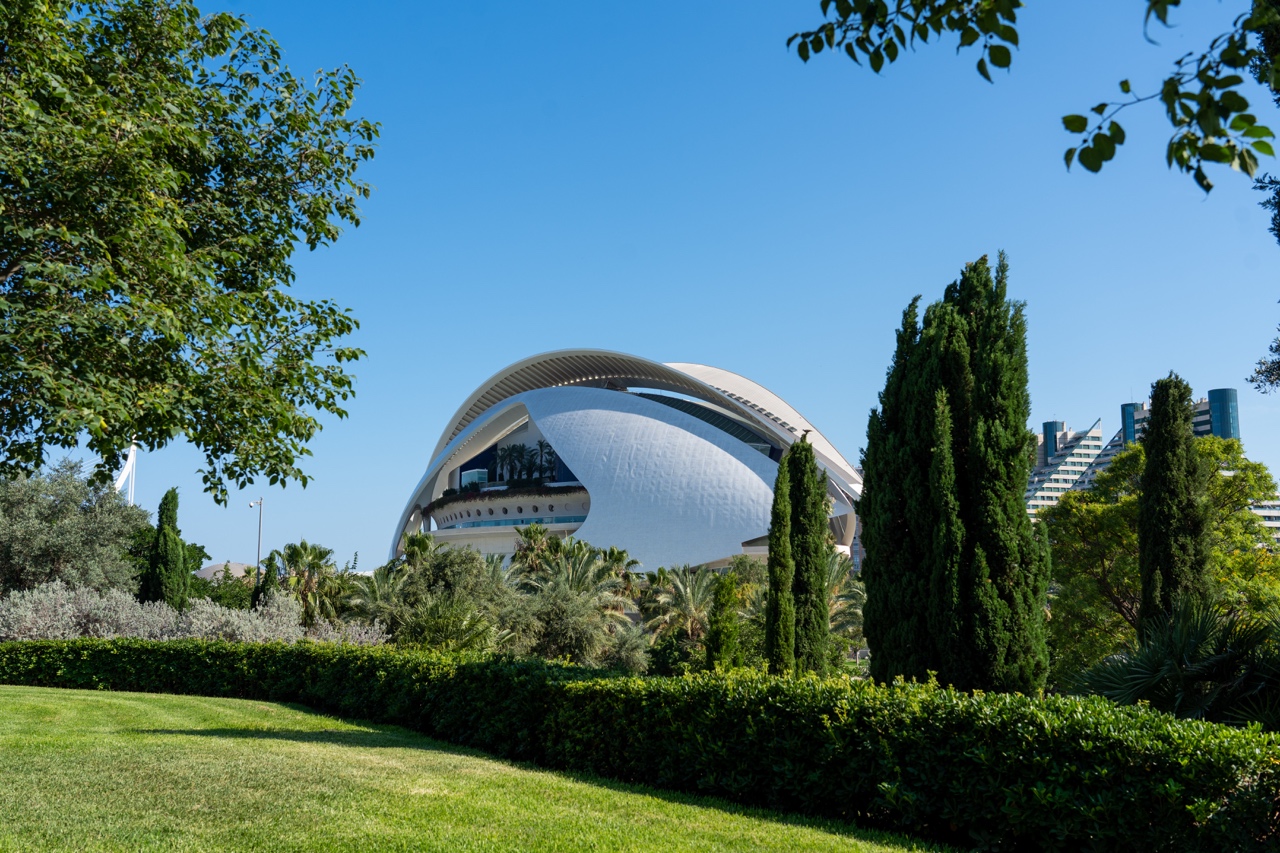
<point x="996" y="771"/>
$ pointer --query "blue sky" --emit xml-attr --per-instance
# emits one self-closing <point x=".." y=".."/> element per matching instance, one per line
<point x="665" y="179"/>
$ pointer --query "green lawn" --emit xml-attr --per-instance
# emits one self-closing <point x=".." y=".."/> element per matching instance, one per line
<point x="84" y="770"/>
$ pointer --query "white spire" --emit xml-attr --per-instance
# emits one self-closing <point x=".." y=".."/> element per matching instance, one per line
<point x="129" y="472"/>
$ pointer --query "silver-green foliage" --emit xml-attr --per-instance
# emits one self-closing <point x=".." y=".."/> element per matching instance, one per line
<point x="55" y="611"/>
<point x="57" y="526"/>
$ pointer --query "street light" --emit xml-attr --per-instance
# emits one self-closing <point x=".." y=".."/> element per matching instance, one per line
<point x="257" y="571"/>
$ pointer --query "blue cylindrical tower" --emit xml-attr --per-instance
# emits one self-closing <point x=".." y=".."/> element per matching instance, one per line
<point x="1224" y="413"/>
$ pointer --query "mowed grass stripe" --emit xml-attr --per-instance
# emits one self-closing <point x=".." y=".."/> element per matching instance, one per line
<point x="86" y="770"/>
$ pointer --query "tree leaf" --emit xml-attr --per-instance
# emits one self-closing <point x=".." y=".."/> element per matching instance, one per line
<point x="1090" y="159"/>
<point x="1075" y="123"/>
<point x="1105" y="146"/>
<point x="1000" y="56"/>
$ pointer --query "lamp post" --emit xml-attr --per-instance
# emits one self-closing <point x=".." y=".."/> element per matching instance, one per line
<point x="257" y="569"/>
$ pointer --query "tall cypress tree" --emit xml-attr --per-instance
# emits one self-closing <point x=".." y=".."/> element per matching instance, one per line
<point x="166" y="577"/>
<point x="809" y="533"/>
<point x="780" y="608"/>
<point x="1173" y="523"/>
<point x="956" y="577"/>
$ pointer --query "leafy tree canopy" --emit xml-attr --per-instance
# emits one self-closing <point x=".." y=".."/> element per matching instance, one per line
<point x="56" y="525"/>
<point x="1094" y="533"/>
<point x="157" y="170"/>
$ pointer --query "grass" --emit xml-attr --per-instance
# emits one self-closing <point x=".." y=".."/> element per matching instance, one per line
<point x="85" y="770"/>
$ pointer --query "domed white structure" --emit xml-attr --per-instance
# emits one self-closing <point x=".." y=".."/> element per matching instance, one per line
<point x="673" y="462"/>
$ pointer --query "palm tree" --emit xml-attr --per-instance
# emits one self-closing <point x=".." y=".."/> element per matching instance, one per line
<point x="845" y="597"/>
<point x="517" y="456"/>
<point x="684" y="604"/>
<point x="532" y="545"/>
<point x="501" y="571"/>
<point x="419" y="548"/>
<point x="379" y="597"/>
<point x="303" y="568"/>
<point x="545" y="458"/>
<point x="618" y="559"/>
<point x="501" y="461"/>
<point x="447" y="623"/>
<point x="578" y="569"/>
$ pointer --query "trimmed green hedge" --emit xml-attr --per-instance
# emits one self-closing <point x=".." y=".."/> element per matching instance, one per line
<point x="996" y="771"/>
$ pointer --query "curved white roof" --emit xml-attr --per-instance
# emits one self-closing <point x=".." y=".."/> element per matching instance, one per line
<point x="607" y="369"/>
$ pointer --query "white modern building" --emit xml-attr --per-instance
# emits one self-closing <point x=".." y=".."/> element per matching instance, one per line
<point x="673" y="462"/>
<point x="1062" y="458"/>
<point x="1217" y="414"/>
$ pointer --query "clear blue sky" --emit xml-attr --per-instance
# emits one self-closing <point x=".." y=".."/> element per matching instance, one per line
<point x="666" y="180"/>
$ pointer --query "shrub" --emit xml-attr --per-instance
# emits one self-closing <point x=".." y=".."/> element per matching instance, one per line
<point x="57" y="612"/>
<point x="999" y="771"/>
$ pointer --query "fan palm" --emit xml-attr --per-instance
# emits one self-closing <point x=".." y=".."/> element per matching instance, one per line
<point x="302" y="568"/>
<point x="1202" y="662"/>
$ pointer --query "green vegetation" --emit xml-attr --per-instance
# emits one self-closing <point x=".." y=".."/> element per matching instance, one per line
<point x="809" y="546"/>
<point x="1096" y="582"/>
<point x="166" y="576"/>
<point x="1173" y="517"/>
<point x="1201" y="662"/>
<point x="989" y="769"/>
<point x="1169" y="581"/>
<point x="780" y="608"/>
<point x="225" y="774"/>
<point x="722" y="625"/>
<point x="56" y="525"/>
<point x="160" y="168"/>
<point x="956" y="578"/>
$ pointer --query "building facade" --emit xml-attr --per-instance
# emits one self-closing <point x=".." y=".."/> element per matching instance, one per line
<point x="673" y="462"/>
<point x="1062" y="458"/>
<point x="1218" y="414"/>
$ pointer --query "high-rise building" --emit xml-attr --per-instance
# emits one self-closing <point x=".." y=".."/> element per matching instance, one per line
<point x="1218" y="414"/>
<point x="1062" y="458"/>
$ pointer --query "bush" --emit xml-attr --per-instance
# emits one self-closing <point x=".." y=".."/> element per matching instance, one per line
<point x="57" y="612"/>
<point x="997" y="771"/>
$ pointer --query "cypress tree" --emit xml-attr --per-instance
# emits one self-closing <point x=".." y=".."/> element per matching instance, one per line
<point x="268" y="583"/>
<point x="166" y="577"/>
<point x="1173" y="525"/>
<point x="722" y="624"/>
<point x="809" y="533"/>
<point x="780" y="609"/>
<point x="956" y="577"/>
